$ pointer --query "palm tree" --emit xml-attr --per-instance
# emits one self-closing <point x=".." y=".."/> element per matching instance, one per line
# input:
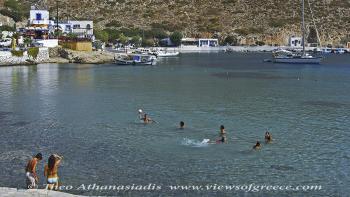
<point x="27" y="41"/>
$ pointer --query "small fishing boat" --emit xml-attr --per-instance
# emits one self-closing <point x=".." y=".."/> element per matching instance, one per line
<point x="166" y="53"/>
<point x="136" y="59"/>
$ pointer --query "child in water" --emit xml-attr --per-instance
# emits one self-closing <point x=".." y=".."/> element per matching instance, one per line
<point x="257" y="146"/>
<point x="268" y="137"/>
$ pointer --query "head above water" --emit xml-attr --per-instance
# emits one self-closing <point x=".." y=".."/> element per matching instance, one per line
<point x="222" y="127"/>
<point x="257" y="143"/>
<point x="182" y="124"/>
<point x="39" y="156"/>
<point x="140" y="111"/>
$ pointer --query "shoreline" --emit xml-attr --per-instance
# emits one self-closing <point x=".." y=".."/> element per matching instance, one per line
<point x="60" y="55"/>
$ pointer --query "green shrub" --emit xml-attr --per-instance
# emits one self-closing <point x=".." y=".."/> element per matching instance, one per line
<point x="17" y="53"/>
<point x="176" y="38"/>
<point x="260" y="43"/>
<point x="33" y="52"/>
<point x="7" y="28"/>
<point x="114" y="23"/>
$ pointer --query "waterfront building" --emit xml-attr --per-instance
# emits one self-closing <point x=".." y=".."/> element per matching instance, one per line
<point x="83" y="29"/>
<point x="295" y="41"/>
<point x="201" y="42"/>
<point x="38" y="24"/>
<point x="199" y="45"/>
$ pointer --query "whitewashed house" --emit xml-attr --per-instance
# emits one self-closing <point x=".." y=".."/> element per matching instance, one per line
<point x="83" y="28"/>
<point x="39" y="17"/>
<point x="295" y="41"/>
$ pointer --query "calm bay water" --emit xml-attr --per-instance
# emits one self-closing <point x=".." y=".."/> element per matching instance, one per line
<point x="88" y="113"/>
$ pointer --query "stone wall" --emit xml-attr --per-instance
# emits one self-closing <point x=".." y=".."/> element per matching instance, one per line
<point x="6" y="57"/>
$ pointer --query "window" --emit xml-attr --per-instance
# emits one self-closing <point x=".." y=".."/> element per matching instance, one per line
<point x="88" y="26"/>
<point x="76" y="26"/>
<point x="38" y="16"/>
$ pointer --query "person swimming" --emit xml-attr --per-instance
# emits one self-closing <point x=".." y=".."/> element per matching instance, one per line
<point x="147" y="119"/>
<point x="257" y="146"/>
<point x="222" y="130"/>
<point x="268" y="137"/>
<point x="182" y="125"/>
<point x="222" y="140"/>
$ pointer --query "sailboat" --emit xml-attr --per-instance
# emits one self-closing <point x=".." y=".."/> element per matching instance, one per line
<point x="284" y="56"/>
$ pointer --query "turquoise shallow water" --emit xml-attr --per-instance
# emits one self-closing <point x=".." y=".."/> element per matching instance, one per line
<point x="88" y="113"/>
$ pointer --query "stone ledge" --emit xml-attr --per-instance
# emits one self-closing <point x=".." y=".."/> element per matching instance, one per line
<point x="13" y="192"/>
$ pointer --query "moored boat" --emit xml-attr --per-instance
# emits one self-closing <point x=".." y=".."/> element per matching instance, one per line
<point x="136" y="59"/>
<point x="284" y="56"/>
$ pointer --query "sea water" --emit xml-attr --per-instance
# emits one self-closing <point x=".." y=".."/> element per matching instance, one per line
<point x="89" y="114"/>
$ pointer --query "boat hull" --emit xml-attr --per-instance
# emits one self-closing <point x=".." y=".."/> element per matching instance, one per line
<point x="133" y="63"/>
<point x="314" y="60"/>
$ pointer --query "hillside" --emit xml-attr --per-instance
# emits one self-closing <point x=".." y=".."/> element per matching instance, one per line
<point x="271" y="21"/>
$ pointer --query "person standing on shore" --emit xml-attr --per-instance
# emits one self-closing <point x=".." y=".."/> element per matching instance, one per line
<point x="31" y="176"/>
<point x="51" y="171"/>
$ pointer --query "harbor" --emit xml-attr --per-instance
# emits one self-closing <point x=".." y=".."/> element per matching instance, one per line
<point x="179" y="98"/>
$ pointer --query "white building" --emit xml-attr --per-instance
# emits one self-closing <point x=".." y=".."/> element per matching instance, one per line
<point x="38" y="17"/>
<point x="295" y="41"/>
<point x="199" y="45"/>
<point x="82" y="28"/>
<point x="202" y="42"/>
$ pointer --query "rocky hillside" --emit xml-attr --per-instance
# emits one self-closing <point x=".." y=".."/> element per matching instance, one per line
<point x="271" y="21"/>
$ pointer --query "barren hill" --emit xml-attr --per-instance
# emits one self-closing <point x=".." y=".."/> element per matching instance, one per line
<point x="267" y="20"/>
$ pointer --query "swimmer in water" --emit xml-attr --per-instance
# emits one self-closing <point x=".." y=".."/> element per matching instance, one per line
<point x="268" y="137"/>
<point x="257" y="146"/>
<point x="222" y="140"/>
<point x="146" y="119"/>
<point x="141" y="114"/>
<point x="222" y="130"/>
<point x="182" y="125"/>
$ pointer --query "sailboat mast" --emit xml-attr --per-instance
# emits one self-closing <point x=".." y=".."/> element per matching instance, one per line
<point x="303" y="16"/>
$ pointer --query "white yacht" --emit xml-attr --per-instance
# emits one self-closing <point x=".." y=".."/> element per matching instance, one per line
<point x="283" y="56"/>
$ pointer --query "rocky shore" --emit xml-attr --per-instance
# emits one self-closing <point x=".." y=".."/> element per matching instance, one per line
<point x="13" y="192"/>
<point x="61" y="55"/>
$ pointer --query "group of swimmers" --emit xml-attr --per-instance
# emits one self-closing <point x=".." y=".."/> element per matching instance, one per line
<point x="50" y="171"/>
<point x="222" y="135"/>
<point x="268" y="139"/>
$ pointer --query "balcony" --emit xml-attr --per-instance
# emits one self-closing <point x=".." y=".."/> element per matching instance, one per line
<point x="39" y="22"/>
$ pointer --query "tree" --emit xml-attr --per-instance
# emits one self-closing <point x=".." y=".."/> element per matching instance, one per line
<point x="148" y="43"/>
<point x="312" y="38"/>
<point x="27" y="41"/>
<point x="231" y="40"/>
<point x="176" y="38"/>
<point x="136" y="40"/>
<point x="102" y="35"/>
<point x="123" y="39"/>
